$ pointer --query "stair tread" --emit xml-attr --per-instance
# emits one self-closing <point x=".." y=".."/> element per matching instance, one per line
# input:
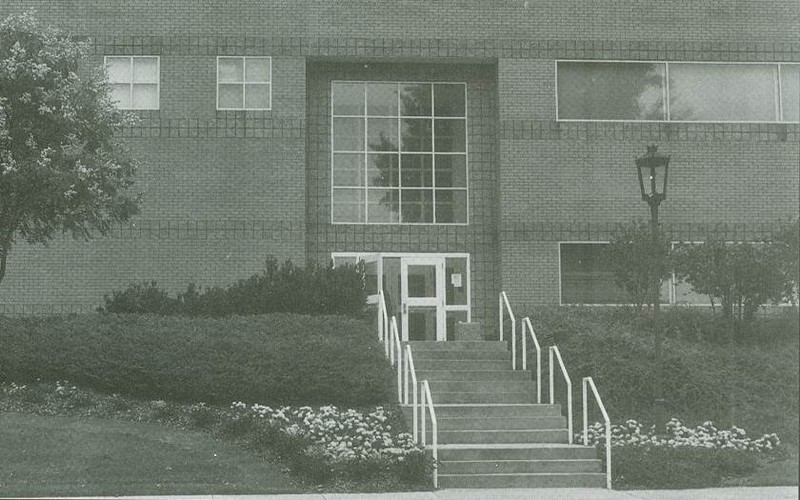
<point x="601" y="474"/>
<point x="521" y="460"/>
<point x="495" y="446"/>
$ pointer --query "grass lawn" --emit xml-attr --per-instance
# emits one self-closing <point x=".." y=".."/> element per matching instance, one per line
<point x="46" y="456"/>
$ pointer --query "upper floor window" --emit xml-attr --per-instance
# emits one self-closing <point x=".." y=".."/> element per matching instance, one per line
<point x="134" y="81"/>
<point x="684" y="92"/>
<point x="399" y="153"/>
<point x="244" y="83"/>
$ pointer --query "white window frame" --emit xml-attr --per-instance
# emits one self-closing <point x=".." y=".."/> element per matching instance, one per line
<point x="245" y="82"/>
<point x="399" y="117"/>
<point x="778" y="90"/>
<point x="131" y="83"/>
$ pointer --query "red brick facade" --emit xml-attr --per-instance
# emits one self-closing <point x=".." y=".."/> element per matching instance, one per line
<point x="225" y="189"/>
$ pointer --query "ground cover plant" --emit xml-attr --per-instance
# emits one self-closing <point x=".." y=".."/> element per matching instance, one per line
<point x="752" y="384"/>
<point x="313" y="289"/>
<point x="327" y="448"/>
<point x="280" y="359"/>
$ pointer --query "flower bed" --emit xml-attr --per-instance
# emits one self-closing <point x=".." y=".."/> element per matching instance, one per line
<point x="682" y="457"/>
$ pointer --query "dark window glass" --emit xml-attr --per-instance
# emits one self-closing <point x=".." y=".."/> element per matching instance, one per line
<point x="451" y="171"/>
<point x="415" y="99"/>
<point x="384" y="205"/>
<point x="790" y="92"/>
<point x="722" y="92"/>
<point x="449" y="99"/>
<point x="451" y="136"/>
<point x="348" y="98"/>
<point x="451" y="206"/>
<point x="417" y="205"/>
<point x="382" y="99"/>
<point x="383" y="170"/>
<point x="417" y="170"/>
<point x="584" y="277"/>
<point x="417" y="135"/>
<point x="348" y="169"/>
<point x="348" y="134"/>
<point x="382" y="134"/>
<point x="610" y="91"/>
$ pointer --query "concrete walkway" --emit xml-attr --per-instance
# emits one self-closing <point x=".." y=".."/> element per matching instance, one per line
<point x="771" y="493"/>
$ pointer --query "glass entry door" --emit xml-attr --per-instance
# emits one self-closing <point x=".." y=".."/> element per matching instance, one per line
<point x="423" y="298"/>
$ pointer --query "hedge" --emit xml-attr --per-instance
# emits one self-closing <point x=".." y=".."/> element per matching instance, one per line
<point x="268" y="359"/>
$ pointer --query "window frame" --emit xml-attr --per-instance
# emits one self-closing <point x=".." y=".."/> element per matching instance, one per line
<point x="131" y="83"/>
<point x="777" y="96"/>
<point x="399" y="116"/>
<point x="244" y="83"/>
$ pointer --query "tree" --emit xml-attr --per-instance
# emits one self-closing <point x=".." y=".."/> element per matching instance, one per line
<point x="63" y="166"/>
<point x="638" y="261"/>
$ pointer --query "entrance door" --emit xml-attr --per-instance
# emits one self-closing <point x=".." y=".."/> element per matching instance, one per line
<point x="423" y="298"/>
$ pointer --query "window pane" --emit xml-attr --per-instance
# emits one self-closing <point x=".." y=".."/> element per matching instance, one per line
<point x="451" y="206"/>
<point x="119" y="69"/>
<point x="348" y="134"/>
<point x="348" y="169"/>
<point x="348" y="205"/>
<point x="790" y="92"/>
<point x="416" y="135"/>
<point x="417" y="171"/>
<point x="584" y="277"/>
<point x="230" y="96"/>
<point x="145" y="69"/>
<point x="348" y="98"/>
<point x="230" y="69"/>
<point x="456" y="295"/>
<point x="383" y="170"/>
<point x="256" y="96"/>
<point x="121" y="94"/>
<point x="145" y="96"/>
<point x="451" y="136"/>
<point x="382" y="134"/>
<point x="449" y="100"/>
<point x="384" y="205"/>
<point x="610" y="91"/>
<point x="257" y="69"/>
<point x="415" y="100"/>
<point x="451" y="171"/>
<point x="382" y="99"/>
<point x="417" y="205"/>
<point x="725" y="92"/>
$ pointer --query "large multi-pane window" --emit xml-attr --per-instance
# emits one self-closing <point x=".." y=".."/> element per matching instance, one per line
<point x="687" y="92"/>
<point x="399" y="153"/>
<point x="134" y="81"/>
<point x="244" y="83"/>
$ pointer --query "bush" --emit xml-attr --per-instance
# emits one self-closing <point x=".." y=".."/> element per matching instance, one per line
<point x="271" y="359"/>
<point x="312" y="290"/>
<point x="756" y="387"/>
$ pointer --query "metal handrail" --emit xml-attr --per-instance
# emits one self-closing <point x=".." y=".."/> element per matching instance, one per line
<point x="383" y="322"/>
<point x="588" y="381"/>
<point x="554" y="349"/>
<point x="427" y="401"/>
<point x="396" y="358"/>
<point x="503" y="301"/>
<point x="412" y="372"/>
<point x="526" y="325"/>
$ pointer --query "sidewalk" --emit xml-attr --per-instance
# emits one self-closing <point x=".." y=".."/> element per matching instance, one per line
<point x="771" y="493"/>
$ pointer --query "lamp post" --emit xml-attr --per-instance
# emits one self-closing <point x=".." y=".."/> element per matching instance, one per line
<point x="653" y="168"/>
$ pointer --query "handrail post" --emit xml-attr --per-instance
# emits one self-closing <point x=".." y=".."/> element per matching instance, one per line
<point x="405" y="375"/>
<point x="503" y="301"/>
<point x="500" y="314"/>
<point x="587" y="381"/>
<point x="423" y="416"/>
<point x="396" y="359"/>
<point x="526" y="325"/>
<point x="524" y="346"/>
<point x="410" y="370"/>
<point x="434" y="431"/>
<point x="554" y="349"/>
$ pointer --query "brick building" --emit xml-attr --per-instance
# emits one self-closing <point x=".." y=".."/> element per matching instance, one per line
<point x="459" y="147"/>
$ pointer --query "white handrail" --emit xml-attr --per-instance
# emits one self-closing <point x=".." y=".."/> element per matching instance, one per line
<point x="397" y="355"/>
<point x="409" y="369"/>
<point x="427" y="401"/>
<point x="554" y="349"/>
<point x="503" y="301"/>
<point x="526" y="325"/>
<point x="588" y="381"/>
<point x="383" y="322"/>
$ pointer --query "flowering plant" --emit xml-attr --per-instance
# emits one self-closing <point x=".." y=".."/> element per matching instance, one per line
<point x="337" y="436"/>
<point x="677" y="435"/>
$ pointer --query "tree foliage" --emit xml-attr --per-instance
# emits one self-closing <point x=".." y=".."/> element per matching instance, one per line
<point x="740" y="276"/>
<point x="638" y="260"/>
<point x="63" y="166"/>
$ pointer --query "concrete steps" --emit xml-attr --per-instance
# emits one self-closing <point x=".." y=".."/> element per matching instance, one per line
<point x="492" y="433"/>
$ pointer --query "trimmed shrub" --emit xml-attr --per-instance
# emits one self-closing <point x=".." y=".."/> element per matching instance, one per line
<point x="312" y="290"/>
<point x="270" y="359"/>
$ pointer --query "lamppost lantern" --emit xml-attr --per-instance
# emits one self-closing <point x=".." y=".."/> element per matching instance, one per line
<point x="653" y="168"/>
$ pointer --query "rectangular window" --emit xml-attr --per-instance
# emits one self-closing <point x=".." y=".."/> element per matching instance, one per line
<point x="399" y="153"/>
<point x="682" y="92"/>
<point x="585" y="279"/>
<point x="244" y="83"/>
<point x="134" y="81"/>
